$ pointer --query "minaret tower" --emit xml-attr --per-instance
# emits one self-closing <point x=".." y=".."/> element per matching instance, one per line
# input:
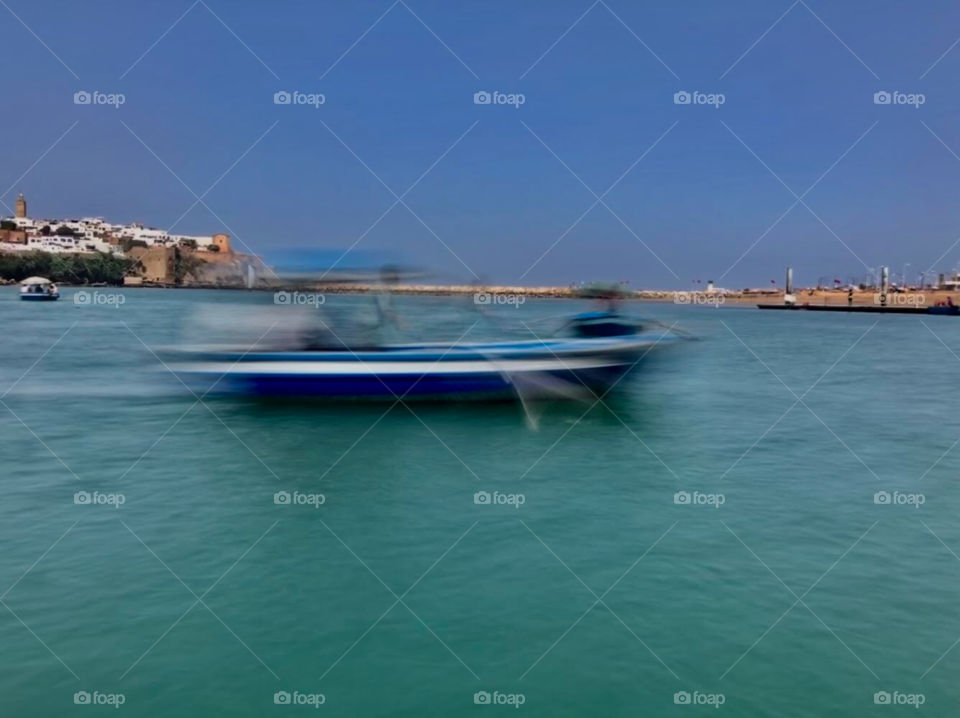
<point x="21" y="207"/>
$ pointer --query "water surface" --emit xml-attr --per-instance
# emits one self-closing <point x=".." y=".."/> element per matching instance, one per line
<point x="695" y="598"/>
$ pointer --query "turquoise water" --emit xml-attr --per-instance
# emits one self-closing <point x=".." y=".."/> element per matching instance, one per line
<point x="496" y="598"/>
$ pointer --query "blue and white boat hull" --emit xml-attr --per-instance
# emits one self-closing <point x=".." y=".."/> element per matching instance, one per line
<point x="497" y="371"/>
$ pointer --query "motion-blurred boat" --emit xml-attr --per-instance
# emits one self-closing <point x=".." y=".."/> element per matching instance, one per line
<point x="38" y="289"/>
<point x="600" y="350"/>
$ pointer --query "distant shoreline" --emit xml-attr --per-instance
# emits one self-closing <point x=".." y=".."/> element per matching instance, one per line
<point x="739" y="298"/>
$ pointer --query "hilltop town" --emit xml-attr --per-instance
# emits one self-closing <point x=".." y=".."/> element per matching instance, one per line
<point x="152" y="256"/>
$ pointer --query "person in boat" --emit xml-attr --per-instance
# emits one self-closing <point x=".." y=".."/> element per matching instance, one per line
<point x="479" y="300"/>
<point x="386" y="315"/>
<point x="609" y="299"/>
<point x="356" y="333"/>
<point x="613" y="304"/>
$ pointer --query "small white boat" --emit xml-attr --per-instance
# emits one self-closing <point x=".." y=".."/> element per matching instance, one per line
<point x="38" y="289"/>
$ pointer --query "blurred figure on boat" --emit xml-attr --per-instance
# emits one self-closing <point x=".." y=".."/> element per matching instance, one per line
<point x="368" y="327"/>
<point x="611" y="303"/>
<point x="387" y="317"/>
<point x="477" y="299"/>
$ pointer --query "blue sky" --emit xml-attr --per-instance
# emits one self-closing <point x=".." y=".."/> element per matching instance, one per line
<point x="800" y="99"/>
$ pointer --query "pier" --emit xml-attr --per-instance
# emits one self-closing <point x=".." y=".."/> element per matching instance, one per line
<point x="862" y="308"/>
<point x="884" y="301"/>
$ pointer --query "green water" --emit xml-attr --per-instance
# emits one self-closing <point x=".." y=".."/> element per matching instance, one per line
<point x="495" y="598"/>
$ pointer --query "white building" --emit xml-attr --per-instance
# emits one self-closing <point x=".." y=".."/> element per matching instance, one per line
<point x="91" y="234"/>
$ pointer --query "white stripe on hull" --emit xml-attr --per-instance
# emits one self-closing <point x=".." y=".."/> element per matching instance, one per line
<point x="417" y="368"/>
